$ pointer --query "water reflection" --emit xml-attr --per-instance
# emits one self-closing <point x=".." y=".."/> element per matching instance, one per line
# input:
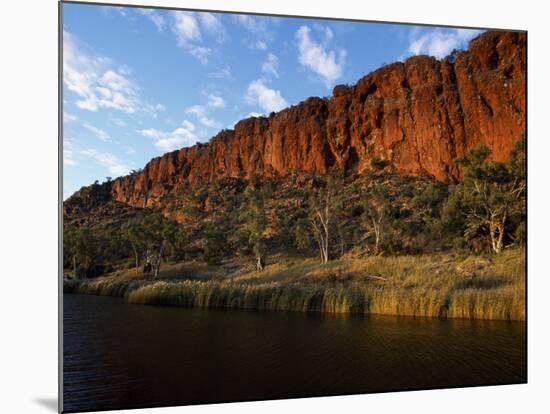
<point x="128" y="356"/>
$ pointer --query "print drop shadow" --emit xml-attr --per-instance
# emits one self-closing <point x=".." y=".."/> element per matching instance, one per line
<point x="49" y="403"/>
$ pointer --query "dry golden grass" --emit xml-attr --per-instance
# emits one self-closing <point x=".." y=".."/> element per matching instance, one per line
<point x="444" y="286"/>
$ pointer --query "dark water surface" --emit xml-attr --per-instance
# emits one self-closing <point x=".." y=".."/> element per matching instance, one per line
<point x="118" y="355"/>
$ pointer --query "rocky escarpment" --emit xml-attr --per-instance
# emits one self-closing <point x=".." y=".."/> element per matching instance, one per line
<point x="417" y="116"/>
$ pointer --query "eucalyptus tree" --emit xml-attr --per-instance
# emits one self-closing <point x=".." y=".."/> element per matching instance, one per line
<point x="492" y="194"/>
<point x="81" y="246"/>
<point x="376" y="204"/>
<point x="252" y="215"/>
<point x="133" y="232"/>
<point x="323" y="203"/>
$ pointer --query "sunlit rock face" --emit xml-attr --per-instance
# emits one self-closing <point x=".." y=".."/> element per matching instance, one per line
<point x="416" y="116"/>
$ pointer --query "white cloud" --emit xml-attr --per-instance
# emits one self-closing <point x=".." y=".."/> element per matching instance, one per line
<point x="110" y="9"/>
<point x="212" y="25"/>
<point x="188" y="125"/>
<point x="69" y="157"/>
<point x="328" y="33"/>
<point x="258" y="27"/>
<point x="199" y="111"/>
<point x="97" y="87"/>
<point x="185" y="27"/>
<point x="260" y="44"/>
<point x="255" y="44"/>
<point x="182" y="136"/>
<point x="328" y="64"/>
<point x="153" y="110"/>
<point x="253" y="24"/>
<point x="101" y="134"/>
<point x="224" y="73"/>
<point x="118" y="122"/>
<point x="152" y="133"/>
<point x="189" y="27"/>
<point x="439" y="43"/>
<point x="115" y="82"/>
<point x="215" y="101"/>
<point x="156" y="18"/>
<point x="73" y="154"/>
<point x="108" y="160"/>
<point x="68" y="118"/>
<point x="94" y="80"/>
<point x="68" y="160"/>
<point x="268" y="99"/>
<point x="202" y="54"/>
<point x="271" y="66"/>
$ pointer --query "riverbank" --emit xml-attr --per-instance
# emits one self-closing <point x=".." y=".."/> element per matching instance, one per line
<point x="443" y="285"/>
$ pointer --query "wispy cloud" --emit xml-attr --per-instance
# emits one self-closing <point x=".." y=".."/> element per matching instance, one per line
<point x="96" y="82"/>
<point x="132" y="14"/>
<point x="188" y="27"/>
<point x="439" y="42"/>
<point x="182" y="136"/>
<point x="115" y="166"/>
<point x="157" y="19"/>
<point x="69" y="156"/>
<point x="212" y="25"/>
<point x="259" y="28"/>
<point x="223" y="73"/>
<point x="200" y="112"/>
<point x="268" y="99"/>
<point x="73" y="154"/>
<point x="215" y="101"/>
<point x="326" y="63"/>
<point x="101" y="134"/>
<point x="185" y="27"/>
<point x="118" y="122"/>
<point x="96" y="85"/>
<point x="108" y="10"/>
<point x="69" y="118"/>
<point x="254" y="24"/>
<point x="270" y="67"/>
<point x="259" y="44"/>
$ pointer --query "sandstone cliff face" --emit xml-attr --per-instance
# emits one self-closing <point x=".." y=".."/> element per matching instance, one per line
<point x="418" y="116"/>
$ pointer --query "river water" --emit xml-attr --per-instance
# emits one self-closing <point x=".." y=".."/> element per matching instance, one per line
<point x="118" y="355"/>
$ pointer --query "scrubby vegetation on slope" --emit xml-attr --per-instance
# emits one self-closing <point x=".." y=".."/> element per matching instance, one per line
<point x="371" y="243"/>
<point x="439" y="285"/>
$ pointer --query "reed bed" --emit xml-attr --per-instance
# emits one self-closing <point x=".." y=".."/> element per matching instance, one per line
<point x="442" y="286"/>
<point x="269" y="296"/>
<point x="104" y="286"/>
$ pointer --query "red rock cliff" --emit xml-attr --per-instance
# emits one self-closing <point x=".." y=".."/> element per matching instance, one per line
<point x="418" y="115"/>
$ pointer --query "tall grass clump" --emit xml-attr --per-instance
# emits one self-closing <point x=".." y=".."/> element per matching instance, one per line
<point x="268" y="296"/>
<point x="106" y="286"/>
<point x="439" y="286"/>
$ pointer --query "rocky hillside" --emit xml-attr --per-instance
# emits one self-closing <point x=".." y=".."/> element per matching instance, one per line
<point x="414" y="117"/>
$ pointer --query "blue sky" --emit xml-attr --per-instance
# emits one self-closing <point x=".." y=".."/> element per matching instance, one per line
<point x="141" y="82"/>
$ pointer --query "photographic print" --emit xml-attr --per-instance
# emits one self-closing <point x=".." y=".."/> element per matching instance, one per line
<point x="262" y="207"/>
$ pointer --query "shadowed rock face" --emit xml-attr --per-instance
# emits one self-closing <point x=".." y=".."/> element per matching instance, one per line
<point x="418" y="116"/>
